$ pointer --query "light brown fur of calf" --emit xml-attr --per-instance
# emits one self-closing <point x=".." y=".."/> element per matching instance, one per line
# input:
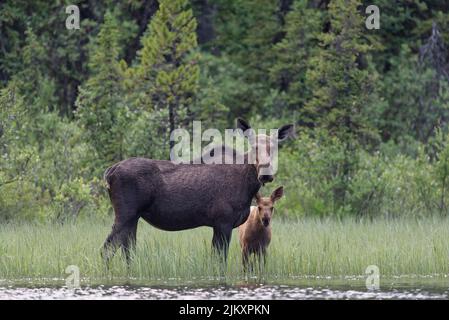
<point x="255" y="233"/>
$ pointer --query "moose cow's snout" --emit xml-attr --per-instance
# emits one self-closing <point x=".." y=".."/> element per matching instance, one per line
<point x="266" y="178"/>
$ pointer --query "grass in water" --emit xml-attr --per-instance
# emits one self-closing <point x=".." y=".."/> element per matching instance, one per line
<point x="299" y="249"/>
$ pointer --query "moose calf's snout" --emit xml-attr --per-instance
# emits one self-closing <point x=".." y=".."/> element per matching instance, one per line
<point x="266" y="222"/>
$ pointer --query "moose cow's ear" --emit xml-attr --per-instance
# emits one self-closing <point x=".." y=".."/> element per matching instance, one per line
<point x="242" y="124"/>
<point x="284" y="132"/>
<point x="277" y="194"/>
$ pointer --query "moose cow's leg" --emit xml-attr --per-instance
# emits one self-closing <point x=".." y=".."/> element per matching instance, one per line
<point x="128" y="242"/>
<point x="123" y="232"/>
<point x="109" y="246"/>
<point x="221" y="240"/>
<point x="123" y="235"/>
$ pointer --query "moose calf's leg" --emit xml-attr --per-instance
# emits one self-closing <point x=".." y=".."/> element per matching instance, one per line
<point x="264" y="258"/>
<point x="245" y="259"/>
<point x="260" y="256"/>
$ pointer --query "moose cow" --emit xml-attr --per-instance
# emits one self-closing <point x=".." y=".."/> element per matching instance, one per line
<point x="176" y="197"/>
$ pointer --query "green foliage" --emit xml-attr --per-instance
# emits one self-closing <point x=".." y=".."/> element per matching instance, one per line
<point x="302" y="27"/>
<point x="35" y="34"/>
<point x="314" y="169"/>
<point x="440" y="170"/>
<point x="72" y="102"/>
<point x="224" y="91"/>
<point x="246" y="31"/>
<point x="16" y="158"/>
<point x="405" y="23"/>
<point x="101" y="107"/>
<point x="340" y="86"/>
<point x="414" y="101"/>
<point x="43" y="172"/>
<point x="147" y="136"/>
<point x="381" y="185"/>
<point x="32" y="82"/>
<point x="167" y="74"/>
<point x="64" y="52"/>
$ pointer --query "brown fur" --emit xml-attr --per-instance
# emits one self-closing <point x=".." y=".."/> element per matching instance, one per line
<point x="255" y="233"/>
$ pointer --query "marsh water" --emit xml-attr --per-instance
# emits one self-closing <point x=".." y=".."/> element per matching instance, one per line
<point x="305" y="288"/>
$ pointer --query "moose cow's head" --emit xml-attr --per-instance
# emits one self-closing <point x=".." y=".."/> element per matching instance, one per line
<point x="264" y="148"/>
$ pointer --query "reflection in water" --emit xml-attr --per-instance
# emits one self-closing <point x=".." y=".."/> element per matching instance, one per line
<point x="216" y="292"/>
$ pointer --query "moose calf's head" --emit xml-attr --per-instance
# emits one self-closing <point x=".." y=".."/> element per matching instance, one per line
<point x="265" y="205"/>
<point x="264" y="148"/>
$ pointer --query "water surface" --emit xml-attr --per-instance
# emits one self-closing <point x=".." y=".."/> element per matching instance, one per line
<point x="254" y="289"/>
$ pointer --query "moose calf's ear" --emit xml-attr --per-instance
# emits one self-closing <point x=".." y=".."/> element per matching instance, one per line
<point x="277" y="194"/>
<point x="242" y="124"/>
<point x="258" y="197"/>
<point x="285" y="131"/>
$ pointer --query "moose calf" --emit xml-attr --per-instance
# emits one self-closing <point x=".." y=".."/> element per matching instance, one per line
<point x="255" y="233"/>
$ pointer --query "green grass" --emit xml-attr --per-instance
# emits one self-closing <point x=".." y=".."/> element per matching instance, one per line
<point x="298" y="249"/>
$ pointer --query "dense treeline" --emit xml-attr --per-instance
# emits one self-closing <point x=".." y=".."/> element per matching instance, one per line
<point x="371" y="107"/>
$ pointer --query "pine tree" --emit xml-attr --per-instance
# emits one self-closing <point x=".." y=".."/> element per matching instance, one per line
<point x="246" y="31"/>
<point x="340" y="87"/>
<point x="167" y="74"/>
<point x="302" y="26"/>
<point x="32" y="82"/>
<point x="415" y="94"/>
<point x="100" y="103"/>
<point x="263" y="27"/>
<point x="14" y="154"/>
